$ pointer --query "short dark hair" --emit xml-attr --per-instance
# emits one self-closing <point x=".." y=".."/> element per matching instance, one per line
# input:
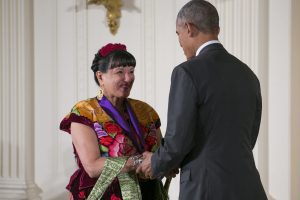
<point x="201" y="14"/>
<point x="114" y="59"/>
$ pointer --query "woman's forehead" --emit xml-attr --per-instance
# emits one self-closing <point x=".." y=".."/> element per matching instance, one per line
<point x="122" y="67"/>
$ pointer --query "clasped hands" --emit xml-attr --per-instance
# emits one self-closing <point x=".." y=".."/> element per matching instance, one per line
<point x="142" y="165"/>
<point x="138" y="164"/>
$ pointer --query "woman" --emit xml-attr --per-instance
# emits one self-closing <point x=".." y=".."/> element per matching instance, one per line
<point x="110" y="131"/>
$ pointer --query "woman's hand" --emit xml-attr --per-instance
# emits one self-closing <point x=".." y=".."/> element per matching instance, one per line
<point x="145" y="167"/>
<point x="132" y="163"/>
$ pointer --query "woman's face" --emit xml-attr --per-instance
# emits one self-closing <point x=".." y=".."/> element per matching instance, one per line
<point x="117" y="82"/>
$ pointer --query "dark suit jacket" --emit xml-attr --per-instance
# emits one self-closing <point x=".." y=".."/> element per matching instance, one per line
<point x="213" y="122"/>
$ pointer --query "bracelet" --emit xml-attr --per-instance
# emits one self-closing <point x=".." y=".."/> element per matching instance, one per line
<point x="137" y="160"/>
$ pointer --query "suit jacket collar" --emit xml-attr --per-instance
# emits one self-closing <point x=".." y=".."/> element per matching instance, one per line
<point x="206" y="44"/>
<point x="214" y="46"/>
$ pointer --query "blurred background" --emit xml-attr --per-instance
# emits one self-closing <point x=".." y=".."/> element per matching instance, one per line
<point x="47" y="47"/>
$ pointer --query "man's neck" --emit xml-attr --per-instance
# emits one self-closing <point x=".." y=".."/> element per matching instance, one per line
<point x="203" y="38"/>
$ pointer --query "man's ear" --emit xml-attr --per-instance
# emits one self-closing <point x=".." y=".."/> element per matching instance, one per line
<point x="192" y="30"/>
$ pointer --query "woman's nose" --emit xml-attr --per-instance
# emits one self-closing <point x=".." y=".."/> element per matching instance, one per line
<point x="129" y="77"/>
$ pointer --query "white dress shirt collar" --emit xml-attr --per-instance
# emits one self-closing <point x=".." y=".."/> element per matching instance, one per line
<point x="206" y="44"/>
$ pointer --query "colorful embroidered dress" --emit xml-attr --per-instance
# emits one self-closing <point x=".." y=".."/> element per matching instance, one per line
<point x="135" y="133"/>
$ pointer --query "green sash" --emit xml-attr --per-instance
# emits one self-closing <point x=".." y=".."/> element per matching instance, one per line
<point x="130" y="188"/>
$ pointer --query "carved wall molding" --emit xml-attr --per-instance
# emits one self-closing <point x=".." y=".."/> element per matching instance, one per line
<point x="149" y="58"/>
<point x="16" y="118"/>
<point x="82" y="59"/>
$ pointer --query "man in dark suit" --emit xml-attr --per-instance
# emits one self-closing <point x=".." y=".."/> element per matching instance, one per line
<point x="213" y="116"/>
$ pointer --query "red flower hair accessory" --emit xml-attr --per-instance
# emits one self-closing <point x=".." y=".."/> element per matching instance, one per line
<point x="107" y="49"/>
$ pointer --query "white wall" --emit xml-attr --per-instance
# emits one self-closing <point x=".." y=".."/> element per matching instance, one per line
<point x="62" y="44"/>
<point x="284" y="104"/>
<point x="280" y="112"/>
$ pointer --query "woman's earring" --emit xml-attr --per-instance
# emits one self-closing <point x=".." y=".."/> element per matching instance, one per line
<point x="100" y="94"/>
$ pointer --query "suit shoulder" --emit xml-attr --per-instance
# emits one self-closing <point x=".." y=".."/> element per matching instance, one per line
<point x="190" y="67"/>
<point x="182" y="67"/>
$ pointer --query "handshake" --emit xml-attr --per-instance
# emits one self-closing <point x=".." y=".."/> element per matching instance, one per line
<point x="137" y="160"/>
<point x="141" y="164"/>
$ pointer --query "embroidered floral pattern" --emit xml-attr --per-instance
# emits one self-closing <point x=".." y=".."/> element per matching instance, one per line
<point x="114" y="197"/>
<point x="113" y="141"/>
<point x="112" y="128"/>
<point x="81" y="195"/>
<point x="106" y="141"/>
<point x="98" y="129"/>
<point x="117" y="147"/>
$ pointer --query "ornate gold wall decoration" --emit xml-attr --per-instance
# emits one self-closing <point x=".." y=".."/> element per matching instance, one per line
<point x="113" y="12"/>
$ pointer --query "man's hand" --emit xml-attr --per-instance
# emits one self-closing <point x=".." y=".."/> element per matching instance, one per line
<point x="173" y="173"/>
<point x="145" y="167"/>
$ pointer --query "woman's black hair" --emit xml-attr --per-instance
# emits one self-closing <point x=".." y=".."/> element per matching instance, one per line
<point x="114" y="59"/>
